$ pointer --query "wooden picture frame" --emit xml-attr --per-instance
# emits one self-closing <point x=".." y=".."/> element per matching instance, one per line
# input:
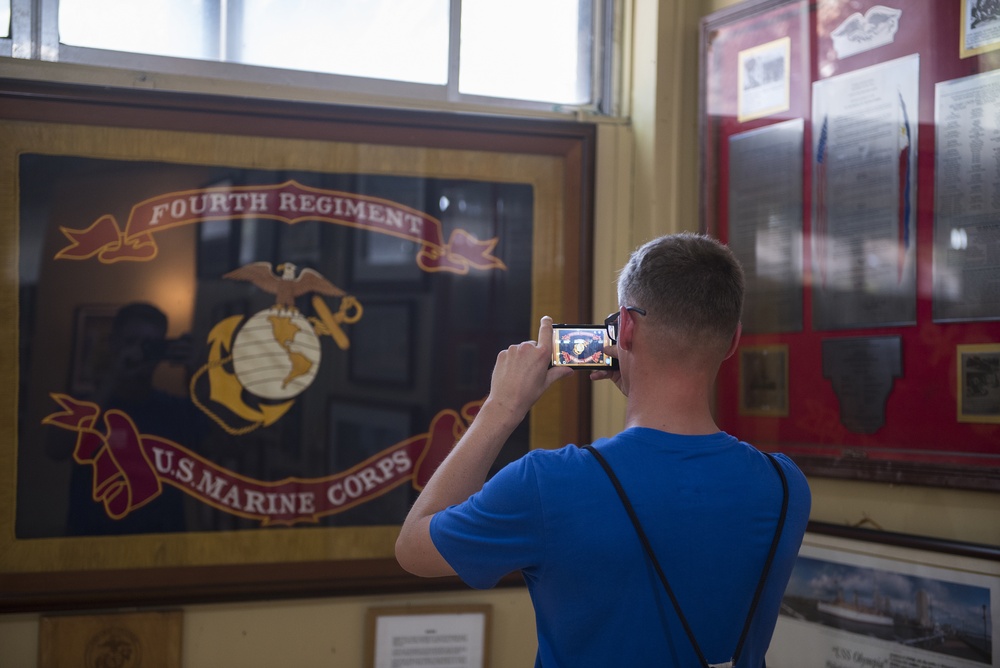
<point x="545" y="168"/>
<point x="782" y="189"/>
<point x="459" y="633"/>
<point x="859" y="594"/>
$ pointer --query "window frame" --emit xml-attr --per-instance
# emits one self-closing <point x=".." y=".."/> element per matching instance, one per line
<point x="35" y="36"/>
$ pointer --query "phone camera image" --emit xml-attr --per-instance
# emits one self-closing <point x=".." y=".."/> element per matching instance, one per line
<point x="581" y="347"/>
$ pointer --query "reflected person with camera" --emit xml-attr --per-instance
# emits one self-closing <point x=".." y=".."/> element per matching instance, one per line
<point x="137" y="346"/>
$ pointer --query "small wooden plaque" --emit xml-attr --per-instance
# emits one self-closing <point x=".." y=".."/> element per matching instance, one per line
<point x="146" y="639"/>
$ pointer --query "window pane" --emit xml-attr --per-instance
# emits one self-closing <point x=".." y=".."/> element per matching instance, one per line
<point x="4" y="18"/>
<point x="158" y="27"/>
<point x="382" y="39"/>
<point x="527" y="49"/>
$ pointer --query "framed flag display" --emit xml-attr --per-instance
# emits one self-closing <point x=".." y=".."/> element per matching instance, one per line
<point x="240" y="336"/>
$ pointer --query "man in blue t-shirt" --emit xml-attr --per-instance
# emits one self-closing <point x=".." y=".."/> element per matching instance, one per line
<point x="709" y="503"/>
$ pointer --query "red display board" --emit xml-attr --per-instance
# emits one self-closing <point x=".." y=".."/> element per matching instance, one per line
<point x="850" y="157"/>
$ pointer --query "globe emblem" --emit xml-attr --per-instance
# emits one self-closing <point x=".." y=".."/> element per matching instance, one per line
<point x="276" y="354"/>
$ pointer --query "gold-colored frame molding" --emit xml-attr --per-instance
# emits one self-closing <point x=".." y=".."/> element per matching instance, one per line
<point x="556" y="158"/>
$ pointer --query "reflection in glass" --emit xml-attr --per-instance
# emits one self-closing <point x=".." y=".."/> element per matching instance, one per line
<point x="277" y="357"/>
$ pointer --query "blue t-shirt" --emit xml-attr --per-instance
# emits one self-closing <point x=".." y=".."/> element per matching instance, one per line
<point x="709" y="505"/>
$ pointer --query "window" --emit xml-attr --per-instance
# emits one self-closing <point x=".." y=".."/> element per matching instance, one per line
<point x="527" y="49"/>
<point x="401" y="41"/>
<point x="541" y="52"/>
<point x="4" y="18"/>
<point x="159" y="27"/>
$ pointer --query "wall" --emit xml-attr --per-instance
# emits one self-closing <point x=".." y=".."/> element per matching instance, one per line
<point x="646" y="185"/>
<point x="299" y="634"/>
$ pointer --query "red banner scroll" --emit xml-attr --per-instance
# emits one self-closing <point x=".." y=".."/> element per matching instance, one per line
<point x="130" y="468"/>
<point x="288" y="202"/>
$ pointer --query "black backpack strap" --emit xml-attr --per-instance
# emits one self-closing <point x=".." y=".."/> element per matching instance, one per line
<point x="663" y="578"/>
<point x="770" y="555"/>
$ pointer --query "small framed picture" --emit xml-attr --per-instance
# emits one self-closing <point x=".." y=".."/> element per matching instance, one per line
<point x="978" y="383"/>
<point x="456" y="635"/>
<point x="764" y="380"/>
<point x="764" y="80"/>
<point x="980" y="27"/>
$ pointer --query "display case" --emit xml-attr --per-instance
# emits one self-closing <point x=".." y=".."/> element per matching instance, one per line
<point x="849" y="156"/>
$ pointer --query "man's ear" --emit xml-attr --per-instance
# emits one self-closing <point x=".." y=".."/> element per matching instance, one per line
<point x="625" y="329"/>
<point x="735" y="342"/>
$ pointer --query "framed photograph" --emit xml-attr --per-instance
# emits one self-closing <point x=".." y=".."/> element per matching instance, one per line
<point x="980" y="27"/>
<point x="859" y="596"/>
<point x="764" y="79"/>
<point x="764" y="380"/>
<point x="271" y="407"/>
<point x="839" y="204"/>
<point x="978" y="377"/>
<point x="429" y="635"/>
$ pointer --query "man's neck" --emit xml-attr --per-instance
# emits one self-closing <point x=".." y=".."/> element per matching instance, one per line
<point x="680" y="405"/>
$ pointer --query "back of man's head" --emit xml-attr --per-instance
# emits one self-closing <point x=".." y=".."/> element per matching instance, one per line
<point x="690" y="285"/>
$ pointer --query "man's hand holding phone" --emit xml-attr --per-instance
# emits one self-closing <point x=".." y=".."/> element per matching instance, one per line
<point x="522" y="372"/>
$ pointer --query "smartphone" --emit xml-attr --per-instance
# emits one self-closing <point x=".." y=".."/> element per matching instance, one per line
<point x="581" y="347"/>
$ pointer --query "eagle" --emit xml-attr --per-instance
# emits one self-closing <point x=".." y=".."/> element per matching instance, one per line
<point x="287" y="286"/>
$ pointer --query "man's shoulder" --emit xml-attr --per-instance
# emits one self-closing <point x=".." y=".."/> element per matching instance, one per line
<point x="790" y="468"/>
<point x="545" y="457"/>
<point x="545" y="466"/>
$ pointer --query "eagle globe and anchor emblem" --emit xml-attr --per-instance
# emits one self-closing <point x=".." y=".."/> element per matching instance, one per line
<point x="275" y="355"/>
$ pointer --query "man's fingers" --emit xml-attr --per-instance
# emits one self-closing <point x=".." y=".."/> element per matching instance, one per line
<point x="545" y="334"/>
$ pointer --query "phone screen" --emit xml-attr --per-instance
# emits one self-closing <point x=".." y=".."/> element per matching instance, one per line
<point x="581" y="346"/>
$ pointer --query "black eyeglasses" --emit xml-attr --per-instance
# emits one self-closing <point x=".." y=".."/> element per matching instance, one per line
<point x="611" y="322"/>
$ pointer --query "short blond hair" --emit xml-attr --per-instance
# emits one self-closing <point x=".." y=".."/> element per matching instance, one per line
<point x="689" y="283"/>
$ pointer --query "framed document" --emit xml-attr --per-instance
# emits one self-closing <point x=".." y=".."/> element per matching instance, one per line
<point x="428" y="636"/>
